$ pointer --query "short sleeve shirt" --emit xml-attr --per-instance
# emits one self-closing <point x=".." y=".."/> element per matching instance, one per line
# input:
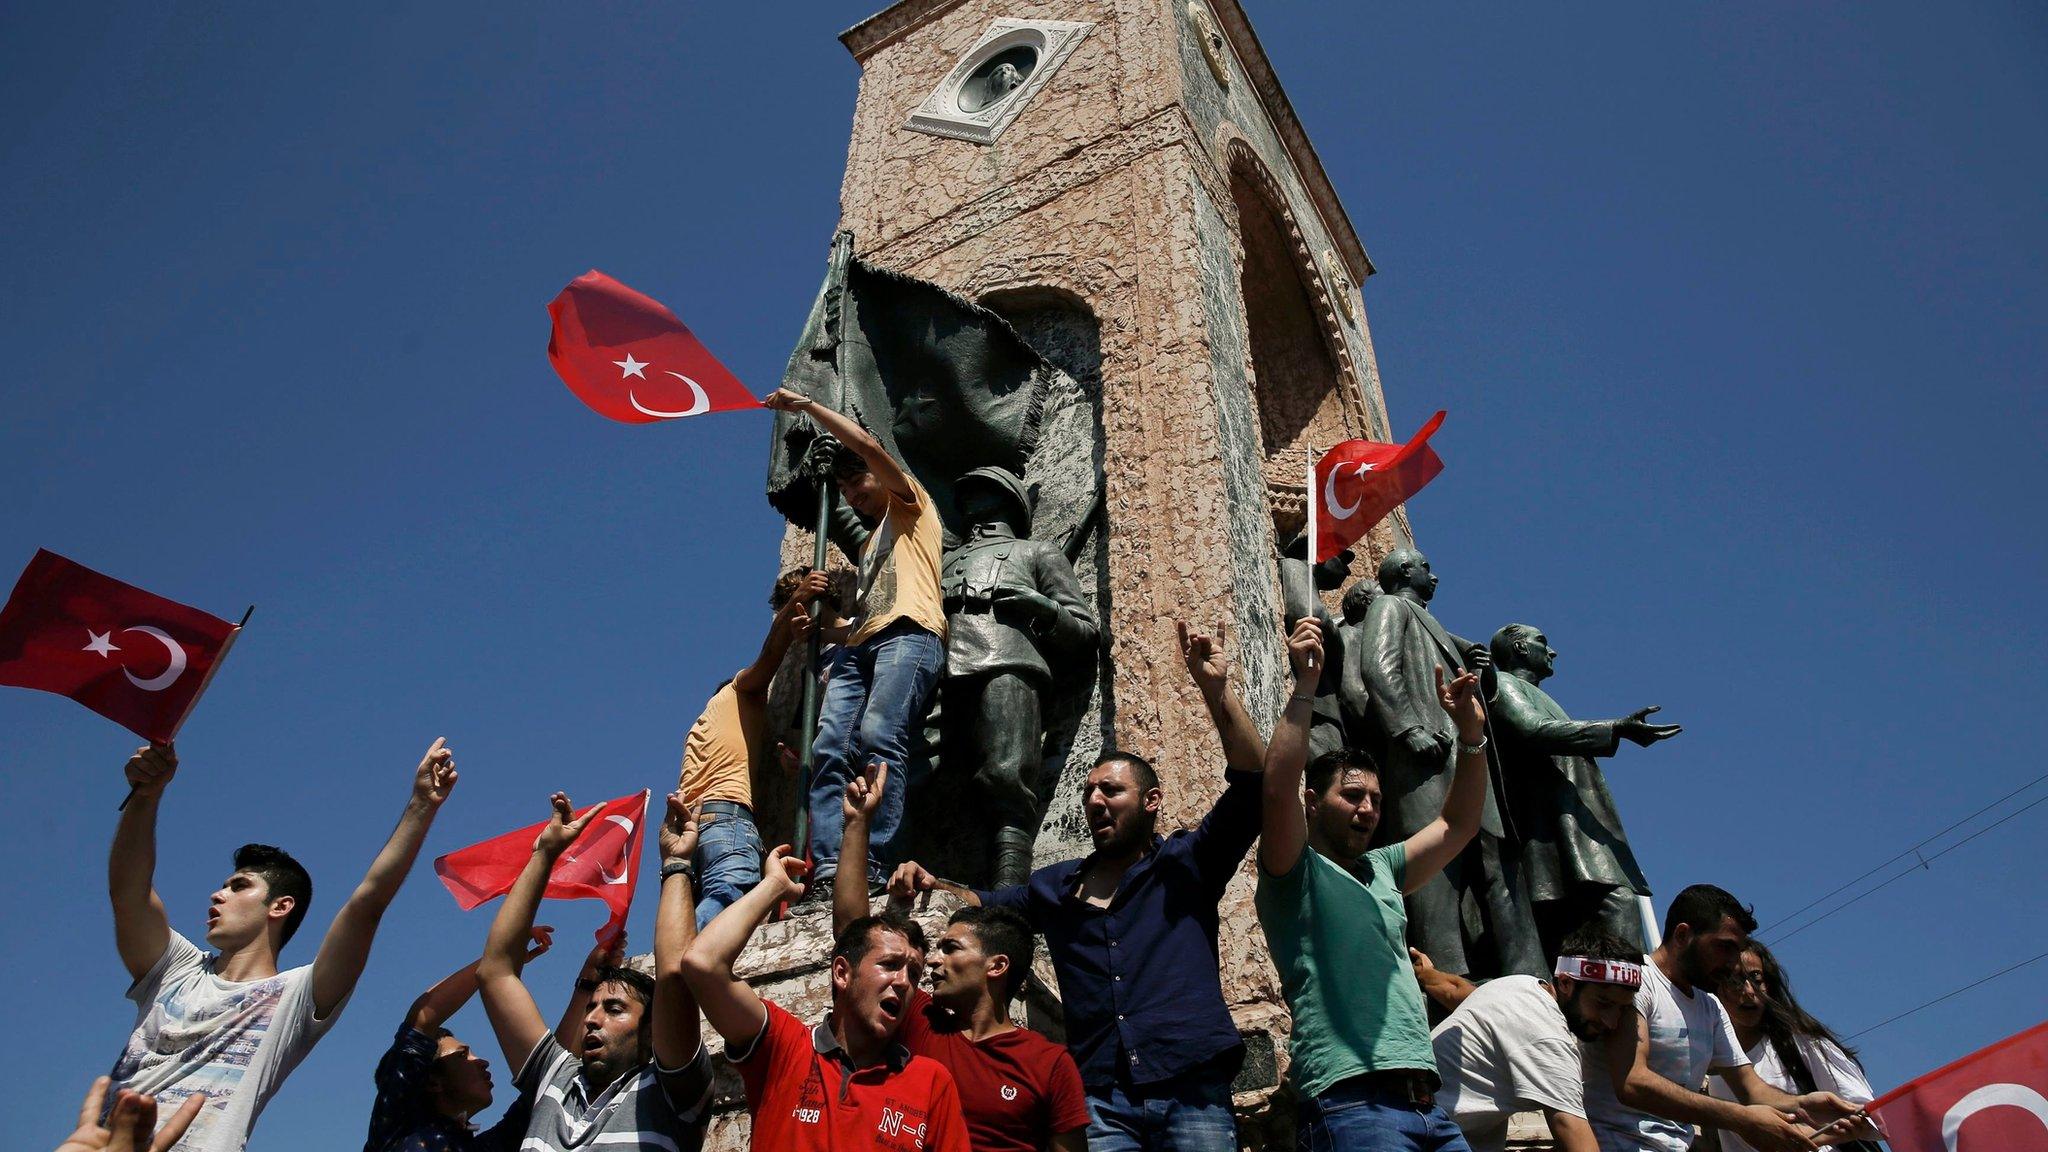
<point x="717" y="755"/>
<point x="1339" y="940"/>
<point x="236" y="1041"/>
<point x="1690" y="1036"/>
<point x="1017" y="1089"/>
<point x="804" y="1096"/>
<point x="1506" y="1049"/>
<point x="899" y="570"/>
<point x="404" y="1118"/>
<point x="648" y="1107"/>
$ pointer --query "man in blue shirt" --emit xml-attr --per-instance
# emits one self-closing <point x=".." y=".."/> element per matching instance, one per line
<point x="1131" y="928"/>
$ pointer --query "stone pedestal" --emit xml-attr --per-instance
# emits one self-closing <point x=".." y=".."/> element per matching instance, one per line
<point x="1142" y="204"/>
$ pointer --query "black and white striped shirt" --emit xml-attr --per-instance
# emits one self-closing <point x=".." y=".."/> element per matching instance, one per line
<point x="648" y="1107"/>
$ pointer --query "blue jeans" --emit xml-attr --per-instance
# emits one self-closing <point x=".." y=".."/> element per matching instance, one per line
<point x="878" y="690"/>
<point x="1192" y="1115"/>
<point x="1355" y="1116"/>
<point x="728" y="857"/>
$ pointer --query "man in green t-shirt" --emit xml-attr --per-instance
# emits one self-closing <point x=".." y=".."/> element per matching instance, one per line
<point x="1360" y="1055"/>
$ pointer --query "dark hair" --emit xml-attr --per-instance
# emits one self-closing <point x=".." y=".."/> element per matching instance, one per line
<point x="912" y="931"/>
<point x="848" y="464"/>
<point x="1148" y="776"/>
<point x="842" y="586"/>
<point x="1785" y="1021"/>
<point x="785" y="586"/>
<point x="1326" y="768"/>
<point x="858" y="938"/>
<point x="1002" y="932"/>
<point x="1600" y="944"/>
<point x="636" y="982"/>
<point x="282" y="876"/>
<point x="1701" y="908"/>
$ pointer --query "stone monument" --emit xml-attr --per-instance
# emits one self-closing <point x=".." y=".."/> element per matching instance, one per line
<point x="1129" y="188"/>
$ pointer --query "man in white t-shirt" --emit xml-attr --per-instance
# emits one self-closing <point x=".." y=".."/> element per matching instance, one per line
<point x="228" y="1025"/>
<point x="1643" y="1084"/>
<point x="1512" y="1045"/>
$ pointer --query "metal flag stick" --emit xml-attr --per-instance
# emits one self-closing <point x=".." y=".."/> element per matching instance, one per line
<point x="1308" y="491"/>
<point x="818" y="464"/>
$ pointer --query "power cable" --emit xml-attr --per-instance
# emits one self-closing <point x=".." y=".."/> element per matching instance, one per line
<point x="1925" y="862"/>
<point x="1948" y="995"/>
<point x="1825" y="897"/>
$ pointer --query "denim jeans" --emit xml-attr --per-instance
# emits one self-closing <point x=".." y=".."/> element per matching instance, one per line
<point x="1192" y="1115"/>
<point x="878" y="691"/>
<point x="1356" y="1116"/>
<point x="728" y="857"/>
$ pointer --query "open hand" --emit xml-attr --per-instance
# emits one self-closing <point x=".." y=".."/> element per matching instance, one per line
<point x="864" y="793"/>
<point x="563" y="826"/>
<point x="679" y="829"/>
<point x="151" y="768"/>
<point x="1635" y="727"/>
<point x="1460" y="700"/>
<point x="1203" y="654"/>
<point x="435" y="777"/>
<point x="130" y="1123"/>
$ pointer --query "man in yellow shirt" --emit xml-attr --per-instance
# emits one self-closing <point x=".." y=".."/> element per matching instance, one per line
<point x="882" y="685"/>
<point x="726" y="742"/>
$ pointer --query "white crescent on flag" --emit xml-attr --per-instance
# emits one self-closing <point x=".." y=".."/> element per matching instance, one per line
<point x="1991" y="1096"/>
<point x="700" y="403"/>
<point x="169" y="675"/>
<point x="625" y="865"/>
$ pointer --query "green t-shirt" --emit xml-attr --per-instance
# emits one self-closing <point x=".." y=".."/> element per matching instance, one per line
<point x="1342" y="950"/>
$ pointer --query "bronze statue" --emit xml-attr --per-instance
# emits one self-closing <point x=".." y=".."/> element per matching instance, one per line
<point x="1576" y="865"/>
<point x="1013" y="610"/>
<point x="1329" y="728"/>
<point x="1469" y="918"/>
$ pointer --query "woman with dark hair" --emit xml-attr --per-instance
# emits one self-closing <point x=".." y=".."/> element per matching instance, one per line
<point x="1791" y="1050"/>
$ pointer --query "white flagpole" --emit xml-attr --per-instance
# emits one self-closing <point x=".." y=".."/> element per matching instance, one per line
<point x="1309" y="490"/>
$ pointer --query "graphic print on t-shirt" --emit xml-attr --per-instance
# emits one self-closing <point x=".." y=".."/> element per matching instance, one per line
<point x="200" y="1046"/>
<point x="810" y="1099"/>
<point x="902" y="1127"/>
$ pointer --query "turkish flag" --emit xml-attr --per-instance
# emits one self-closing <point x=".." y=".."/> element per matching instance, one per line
<point x="1995" y="1100"/>
<point x="603" y="863"/>
<point x="136" y="658"/>
<point x="630" y="359"/>
<point x="1358" y="482"/>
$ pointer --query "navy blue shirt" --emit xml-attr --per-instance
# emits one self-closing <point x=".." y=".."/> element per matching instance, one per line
<point x="404" y="1119"/>
<point x="1138" y="979"/>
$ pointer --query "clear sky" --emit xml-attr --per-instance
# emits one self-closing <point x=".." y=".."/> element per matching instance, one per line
<point x="1737" y="312"/>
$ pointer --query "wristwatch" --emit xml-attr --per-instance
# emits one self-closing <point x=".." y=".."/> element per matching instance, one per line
<point x="679" y="868"/>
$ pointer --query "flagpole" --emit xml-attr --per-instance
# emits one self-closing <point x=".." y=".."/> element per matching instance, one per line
<point x="226" y="646"/>
<point x="1308" y="491"/>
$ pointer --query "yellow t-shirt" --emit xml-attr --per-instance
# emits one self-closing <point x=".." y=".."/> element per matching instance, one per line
<point x="899" y="570"/>
<point x="717" y="755"/>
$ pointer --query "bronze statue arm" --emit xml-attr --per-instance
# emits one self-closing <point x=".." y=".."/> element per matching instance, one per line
<point x="1517" y="719"/>
<point x="1072" y="628"/>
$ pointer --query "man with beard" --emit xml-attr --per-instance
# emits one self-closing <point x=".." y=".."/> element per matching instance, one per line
<point x="846" y="1083"/>
<point x="1359" y="1056"/>
<point x="1512" y="1045"/>
<point x="1132" y="931"/>
<point x="1019" y="1092"/>
<point x="1642" y="1083"/>
<point x="639" y="1075"/>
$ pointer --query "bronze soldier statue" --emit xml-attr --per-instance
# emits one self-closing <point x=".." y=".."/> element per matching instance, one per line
<point x="1576" y="865"/>
<point x="1013" y="611"/>
<point x="1469" y="918"/>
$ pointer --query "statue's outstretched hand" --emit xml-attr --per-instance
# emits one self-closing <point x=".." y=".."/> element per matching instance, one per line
<point x="1636" y="728"/>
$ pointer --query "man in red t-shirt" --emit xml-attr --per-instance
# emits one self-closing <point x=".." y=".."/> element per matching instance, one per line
<point x="1019" y="1091"/>
<point x="847" y="1083"/>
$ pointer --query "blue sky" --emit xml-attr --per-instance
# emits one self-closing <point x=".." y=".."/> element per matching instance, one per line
<point x="1737" y="313"/>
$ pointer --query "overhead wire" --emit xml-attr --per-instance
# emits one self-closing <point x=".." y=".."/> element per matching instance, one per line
<point x="1948" y="995"/>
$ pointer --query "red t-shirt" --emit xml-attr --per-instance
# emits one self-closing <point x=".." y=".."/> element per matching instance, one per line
<point x="806" y="1100"/>
<point x="1017" y="1090"/>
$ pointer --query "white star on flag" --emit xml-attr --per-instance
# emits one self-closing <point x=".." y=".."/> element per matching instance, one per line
<point x="101" y="642"/>
<point x="631" y="367"/>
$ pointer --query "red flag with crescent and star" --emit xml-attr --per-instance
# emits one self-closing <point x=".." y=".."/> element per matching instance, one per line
<point x="629" y="358"/>
<point x="1358" y="482"/>
<point x="603" y="863"/>
<point x="1995" y="1100"/>
<point x="134" y="657"/>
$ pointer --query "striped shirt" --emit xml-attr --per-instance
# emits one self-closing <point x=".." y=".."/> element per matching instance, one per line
<point x="649" y="1107"/>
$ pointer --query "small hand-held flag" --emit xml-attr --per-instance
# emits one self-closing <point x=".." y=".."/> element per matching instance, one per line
<point x="603" y="863"/>
<point x="136" y="658"/>
<point x="630" y="359"/>
<point x="1995" y="1100"/>
<point x="1358" y="482"/>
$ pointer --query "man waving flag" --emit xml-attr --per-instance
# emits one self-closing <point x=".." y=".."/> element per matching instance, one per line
<point x="630" y="359"/>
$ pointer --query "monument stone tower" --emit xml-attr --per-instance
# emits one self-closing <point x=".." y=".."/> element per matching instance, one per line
<point x="1127" y="184"/>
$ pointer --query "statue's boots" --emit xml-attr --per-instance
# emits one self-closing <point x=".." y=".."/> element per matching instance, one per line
<point x="1013" y="856"/>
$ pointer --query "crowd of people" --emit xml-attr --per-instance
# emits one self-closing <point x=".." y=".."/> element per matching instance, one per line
<point x="920" y="1048"/>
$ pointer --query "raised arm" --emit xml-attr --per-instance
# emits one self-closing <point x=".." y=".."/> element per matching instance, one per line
<point x="1642" y="1089"/>
<point x="733" y="1007"/>
<point x="677" y="1032"/>
<point x="141" y="930"/>
<point x="346" y="948"/>
<point x="1209" y="668"/>
<point x="852" y="436"/>
<point x="850" y="885"/>
<point x="1443" y="838"/>
<point x="514" y="1016"/>
<point x="434" y="1006"/>
<point x="792" y="623"/>
<point x="1283" y="829"/>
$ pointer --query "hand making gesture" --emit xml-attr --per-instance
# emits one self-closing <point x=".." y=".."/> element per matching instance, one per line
<point x="1203" y="655"/>
<point x="435" y="777"/>
<point x="864" y="793"/>
<point x="1460" y="700"/>
<point x="563" y="827"/>
<point x="678" y="834"/>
